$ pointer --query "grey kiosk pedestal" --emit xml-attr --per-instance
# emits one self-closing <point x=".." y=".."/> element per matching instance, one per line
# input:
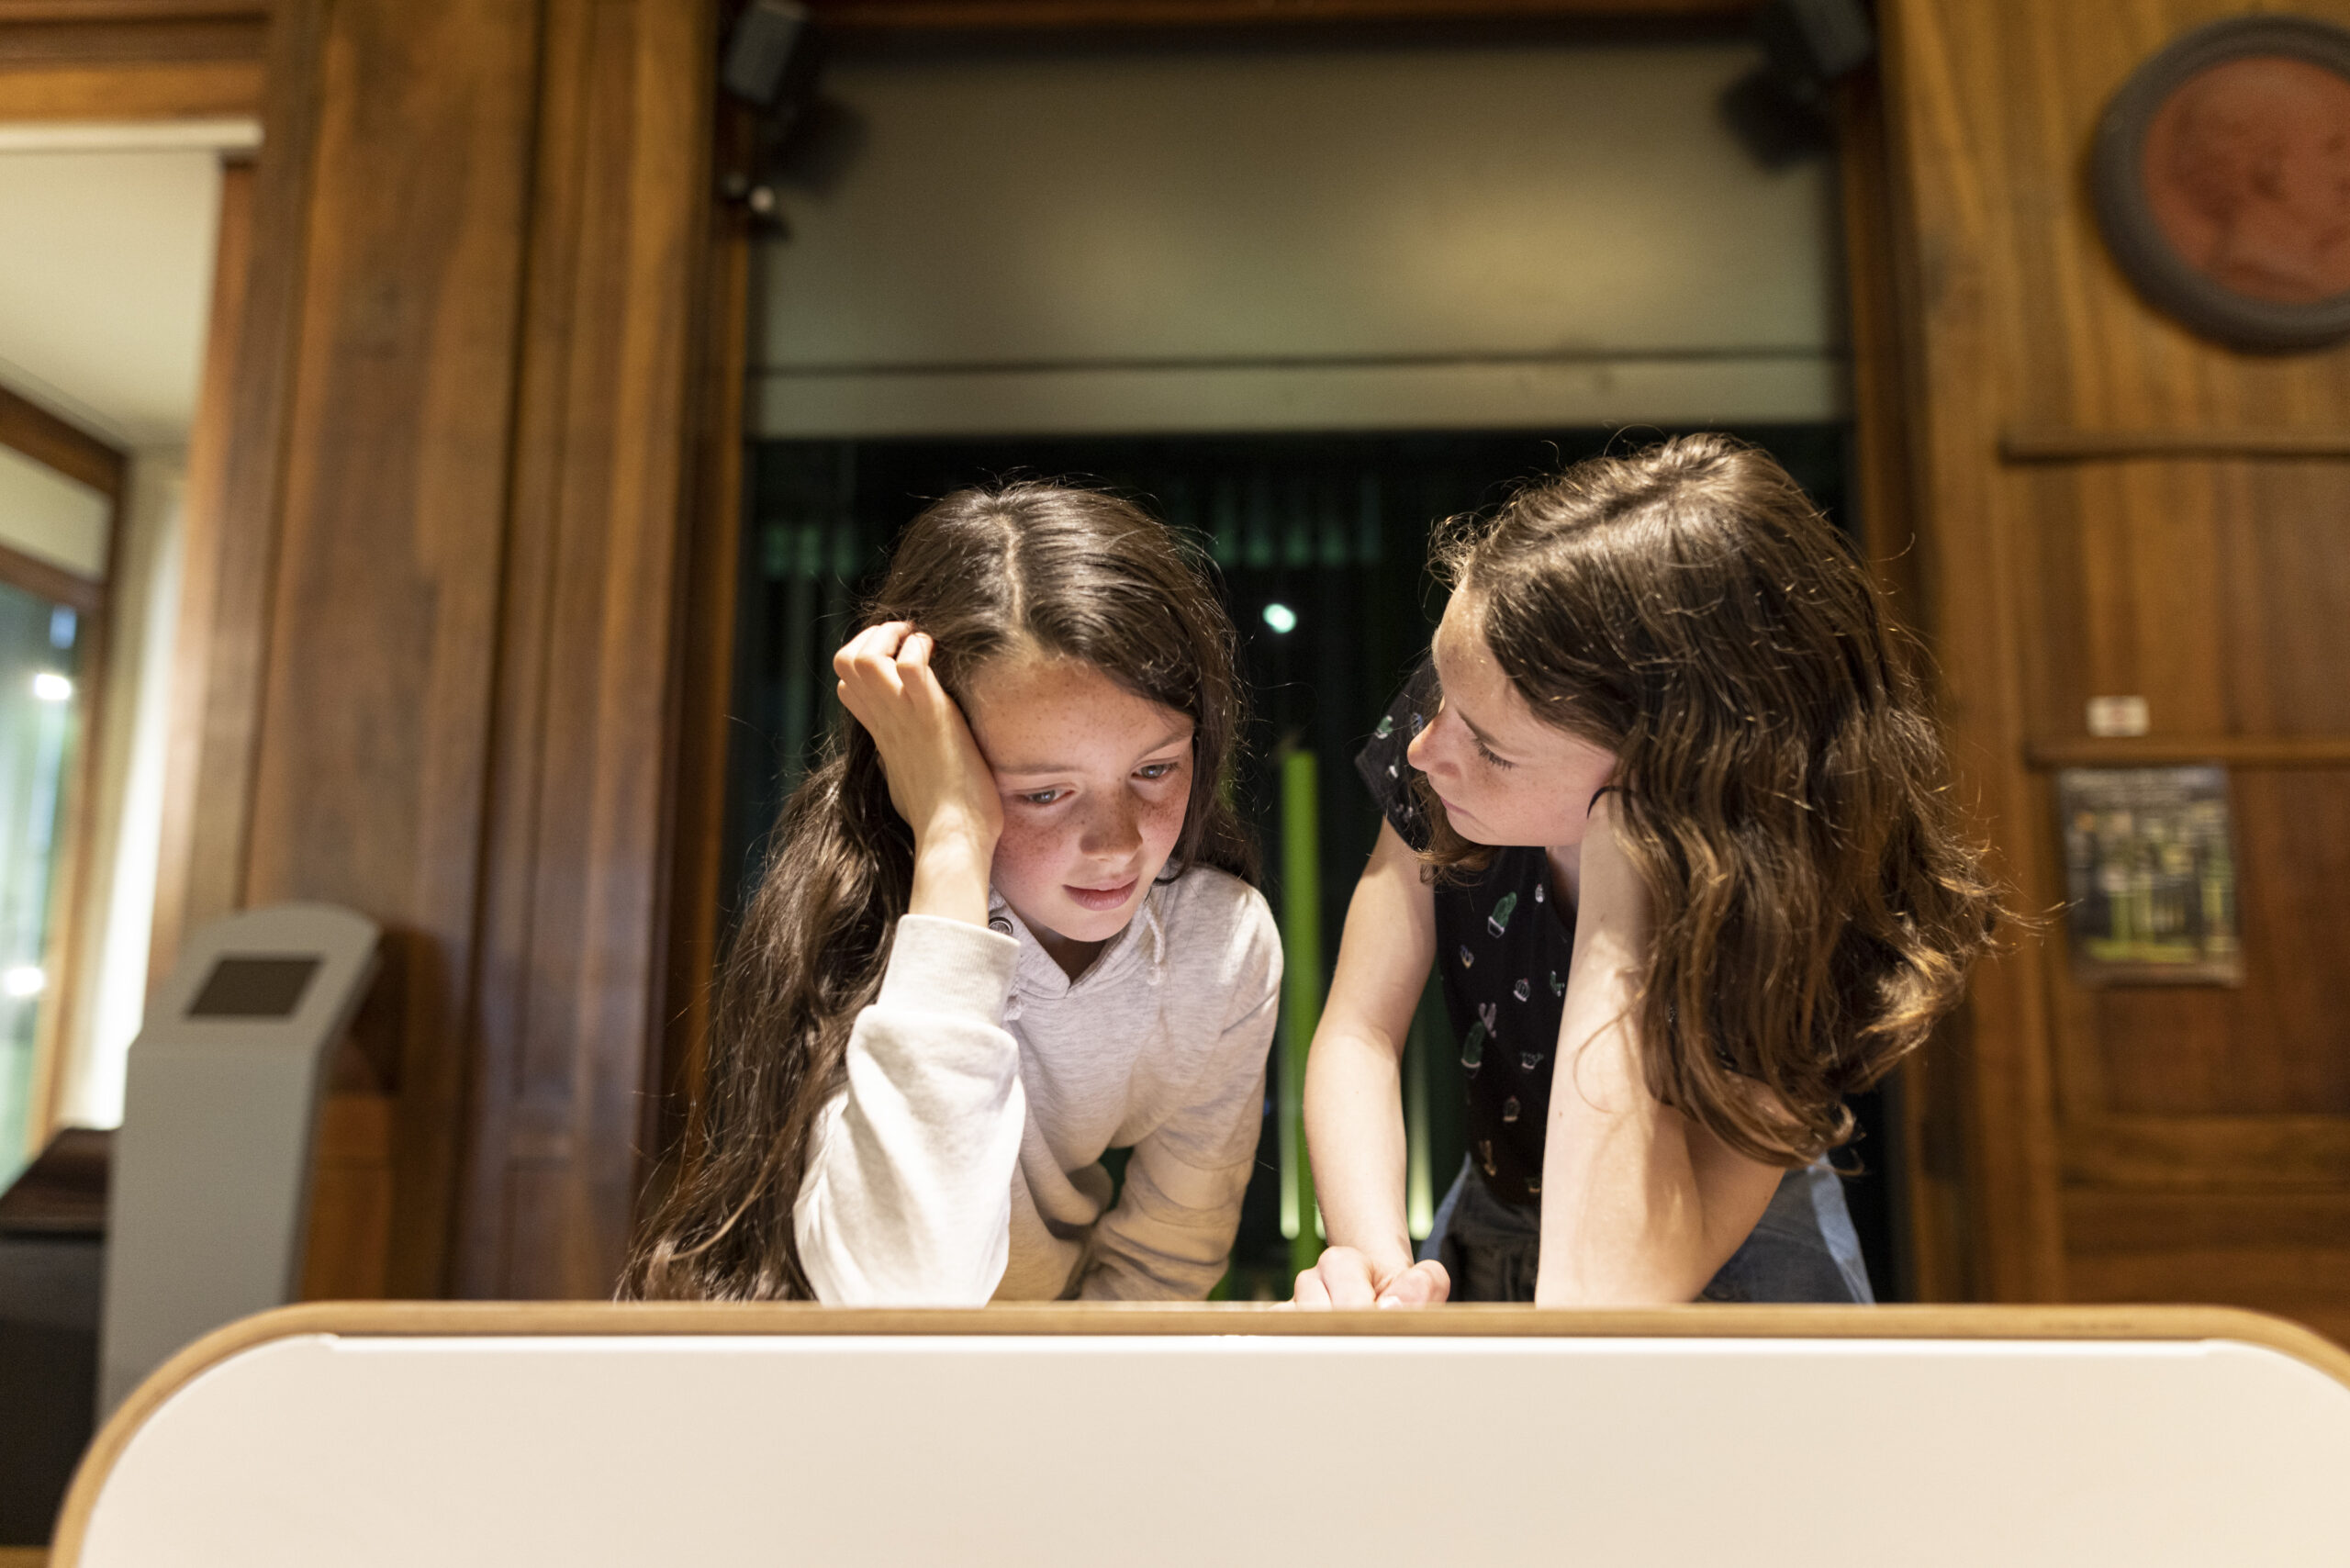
<point x="209" y="1198"/>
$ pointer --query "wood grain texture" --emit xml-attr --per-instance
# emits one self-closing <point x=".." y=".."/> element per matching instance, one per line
<point x="28" y="428"/>
<point x="2280" y="1044"/>
<point x="1927" y="1177"/>
<point x="974" y="14"/>
<point x="2209" y="1153"/>
<point x="119" y="90"/>
<point x="2218" y="590"/>
<point x="2234" y="751"/>
<point x="2060" y="445"/>
<point x="2285" y="1253"/>
<point x="371" y="756"/>
<point x="87" y="12"/>
<point x="167" y="39"/>
<point x="700" y="884"/>
<point x="36" y="575"/>
<point x="2114" y="507"/>
<point x="203" y="540"/>
<point x="353" y="1191"/>
<point x="227" y="594"/>
<point x="1945" y="83"/>
<point x="576" y="938"/>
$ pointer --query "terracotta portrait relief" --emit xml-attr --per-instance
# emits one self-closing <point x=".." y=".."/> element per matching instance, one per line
<point x="2223" y="174"/>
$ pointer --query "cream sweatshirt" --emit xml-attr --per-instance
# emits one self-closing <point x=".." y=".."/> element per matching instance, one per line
<point x="961" y="1161"/>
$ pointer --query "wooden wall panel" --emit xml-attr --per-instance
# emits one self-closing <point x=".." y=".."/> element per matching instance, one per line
<point x="435" y="632"/>
<point x="2213" y="587"/>
<point x="2279" y="1044"/>
<point x="371" y="755"/>
<point x="2282" y="1253"/>
<point x="568" y="1055"/>
<point x="2131" y="1144"/>
<point x="104" y="60"/>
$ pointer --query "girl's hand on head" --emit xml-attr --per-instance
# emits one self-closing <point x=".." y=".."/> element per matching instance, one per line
<point x="1346" y="1277"/>
<point x="938" y="780"/>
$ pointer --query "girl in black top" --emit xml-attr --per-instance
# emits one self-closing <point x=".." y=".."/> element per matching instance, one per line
<point x="1667" y="809"/>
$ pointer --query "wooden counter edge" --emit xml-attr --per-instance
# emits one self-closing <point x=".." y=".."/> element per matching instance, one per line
<point x="427" y="1318"/>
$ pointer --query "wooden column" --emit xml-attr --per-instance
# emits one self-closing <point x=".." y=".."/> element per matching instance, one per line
<point x="441" y="614"/>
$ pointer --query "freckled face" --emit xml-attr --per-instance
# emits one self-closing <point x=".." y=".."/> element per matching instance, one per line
<point x="1094" y="780"/>
<point x="1506" y="778"/>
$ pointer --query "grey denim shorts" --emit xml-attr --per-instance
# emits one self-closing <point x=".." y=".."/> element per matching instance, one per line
<point x="1802" y="1249"/>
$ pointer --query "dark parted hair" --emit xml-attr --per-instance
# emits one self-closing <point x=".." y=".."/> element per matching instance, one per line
<point x="1783" y="792"/>
<point x="1022" y="568"/>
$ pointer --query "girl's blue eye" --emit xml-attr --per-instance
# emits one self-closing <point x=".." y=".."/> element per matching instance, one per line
<point x="1042" y="797"/>
<point x="1155" y="770"/>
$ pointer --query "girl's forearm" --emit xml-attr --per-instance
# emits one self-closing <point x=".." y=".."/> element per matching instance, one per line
<point x="1629" y="1215"/>
<point x="951" y="869"/>
<point x="1354" y="1130"/>
<point x="1625" y="1217"/>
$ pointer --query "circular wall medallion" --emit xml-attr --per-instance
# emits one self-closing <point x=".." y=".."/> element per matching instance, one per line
<point x="2223" y="181"/>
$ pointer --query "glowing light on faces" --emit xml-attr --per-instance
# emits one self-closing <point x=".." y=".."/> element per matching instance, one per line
<point x="1506" y="778"/>
<point x="1095" y="782"/>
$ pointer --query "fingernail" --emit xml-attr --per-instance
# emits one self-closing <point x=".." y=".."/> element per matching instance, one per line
<point x="1389" y="1301"/>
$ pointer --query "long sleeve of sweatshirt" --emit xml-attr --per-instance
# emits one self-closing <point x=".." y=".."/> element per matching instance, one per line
<point x="907" y="1196"/>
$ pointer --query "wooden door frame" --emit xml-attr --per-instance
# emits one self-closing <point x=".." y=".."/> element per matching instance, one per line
<point x="111" y="61"/>
<point x="65" y="448"/>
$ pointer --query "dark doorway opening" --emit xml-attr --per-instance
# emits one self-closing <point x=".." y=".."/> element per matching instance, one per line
<point x="1321" y="543"/>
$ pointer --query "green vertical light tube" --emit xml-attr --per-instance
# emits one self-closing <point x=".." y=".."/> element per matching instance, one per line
<point x="1419" y="1193"/>
<point x="1301" y="995"/>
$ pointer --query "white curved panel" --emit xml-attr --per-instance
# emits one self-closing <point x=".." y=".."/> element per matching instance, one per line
<point x="1184" y="1450"/>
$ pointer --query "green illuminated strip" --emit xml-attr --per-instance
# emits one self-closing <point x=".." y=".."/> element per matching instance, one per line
<point x="1419" y="1194"/>
<point x="1301" y="995"/>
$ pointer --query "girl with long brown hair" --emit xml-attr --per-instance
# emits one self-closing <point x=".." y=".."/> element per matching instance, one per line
<point x="1007" y="926"/>
<point x="1669" y="813"/>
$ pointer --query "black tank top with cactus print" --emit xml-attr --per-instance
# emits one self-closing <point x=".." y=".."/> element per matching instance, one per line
<point x="1502" y="945"/>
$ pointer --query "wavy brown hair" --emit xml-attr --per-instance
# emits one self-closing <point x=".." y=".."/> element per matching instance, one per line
<point x="1025" y="568"/>
<point x="1783" y="792"/>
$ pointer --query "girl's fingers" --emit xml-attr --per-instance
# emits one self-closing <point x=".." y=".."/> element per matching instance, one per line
<point x="872" y="650"/>
<point x="1309" y="1290"/>
<point x="1346" y="1278"/>
<point x="1422" y="1285"/>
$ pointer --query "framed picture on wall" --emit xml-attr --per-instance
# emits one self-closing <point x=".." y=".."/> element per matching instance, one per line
<point x="2222" y="174"/>
<point x="2150" y="876"/>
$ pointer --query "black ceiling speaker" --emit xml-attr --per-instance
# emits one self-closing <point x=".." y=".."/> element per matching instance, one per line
<point x="760" y="48"/>
<point x="1779" y="110"/>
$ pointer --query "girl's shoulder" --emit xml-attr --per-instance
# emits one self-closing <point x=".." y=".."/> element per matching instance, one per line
<point x="1220" y="928"/>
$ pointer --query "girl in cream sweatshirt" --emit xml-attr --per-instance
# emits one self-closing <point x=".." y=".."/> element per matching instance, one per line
<point x="1006" y="927"/>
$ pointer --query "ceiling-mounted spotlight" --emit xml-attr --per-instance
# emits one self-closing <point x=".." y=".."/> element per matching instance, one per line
<point x="760" y="49"/>
<point x="771" y="62"/>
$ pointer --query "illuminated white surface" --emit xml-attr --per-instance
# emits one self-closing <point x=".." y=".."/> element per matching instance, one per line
<point x="106" y="281"/>
<point x="51" y="517"/>
<point x="1189" y="1450"/>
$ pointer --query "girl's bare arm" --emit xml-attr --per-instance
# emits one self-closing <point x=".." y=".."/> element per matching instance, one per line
<point x="1354" y="1118"/>
<point x="1641" y="1205"/>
